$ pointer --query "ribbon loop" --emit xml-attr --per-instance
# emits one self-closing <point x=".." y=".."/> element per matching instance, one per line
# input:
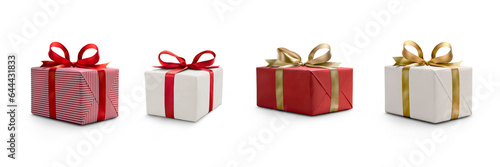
<point x="90" y="60"/>
<point x="407" y="54"/>
<point x="321" y="59"/>
<point x="56" y="58"/>
<point x="287" y="58"/>
<point x="170" y="65"/>
<point x="204" y="64"/>
<point x="446" y="58"/>
<point x="410" y="58"/>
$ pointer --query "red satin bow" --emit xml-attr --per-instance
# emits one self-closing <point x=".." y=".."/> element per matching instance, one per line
<point x="59" y="61"/>
<point x="182" y="62"/>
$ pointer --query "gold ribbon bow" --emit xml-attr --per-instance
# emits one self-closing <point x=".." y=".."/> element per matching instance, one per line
<point x="409" y="60"/>
<point x="287" y="58"/>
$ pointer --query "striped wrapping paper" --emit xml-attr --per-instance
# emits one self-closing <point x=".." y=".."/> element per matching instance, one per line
<point x="77" y="94"/>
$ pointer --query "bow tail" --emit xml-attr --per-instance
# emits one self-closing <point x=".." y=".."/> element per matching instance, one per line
<point x="325" y="65"/>
<point x="448" y="65"/>
<point x="50" y="64"/>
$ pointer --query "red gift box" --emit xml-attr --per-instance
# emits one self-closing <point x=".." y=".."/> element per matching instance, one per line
<point x="81" y="92"/>
<point x="306" y="90"/>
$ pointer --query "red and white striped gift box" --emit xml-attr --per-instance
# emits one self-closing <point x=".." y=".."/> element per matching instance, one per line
<point x="77" y="94"/>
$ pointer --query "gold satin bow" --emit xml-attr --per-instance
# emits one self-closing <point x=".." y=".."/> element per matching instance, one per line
<point x="287" y="58"/>
<point x="410" y="59"/>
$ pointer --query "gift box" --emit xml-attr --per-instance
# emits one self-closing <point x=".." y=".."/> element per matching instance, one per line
<point x="311" y="88"/>
<point x="183" y="91"/>
<point x="433" y="91"/>
<point x="82" y="92"/>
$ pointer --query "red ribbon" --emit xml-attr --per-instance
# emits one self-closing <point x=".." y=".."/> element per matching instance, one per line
<point x="90" y="62"/>
<point x="178" y="67"/>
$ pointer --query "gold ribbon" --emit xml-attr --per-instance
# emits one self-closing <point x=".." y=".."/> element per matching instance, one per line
<point x="287" y="58"/>
<point x="409" y="59"/>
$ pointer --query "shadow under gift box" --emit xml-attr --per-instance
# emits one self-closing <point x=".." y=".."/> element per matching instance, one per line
<point x="430" y="92"/>
<point x="191" y="93"/>
<point x="76" y="94"/>
<point x="306" y="90"/>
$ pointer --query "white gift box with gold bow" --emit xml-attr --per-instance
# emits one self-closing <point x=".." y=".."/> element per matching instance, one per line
<point x="433" y="91"/>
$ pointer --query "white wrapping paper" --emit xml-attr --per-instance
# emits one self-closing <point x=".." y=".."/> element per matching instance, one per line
<point x="430" y="90"/>
<point x="191" y="93"/>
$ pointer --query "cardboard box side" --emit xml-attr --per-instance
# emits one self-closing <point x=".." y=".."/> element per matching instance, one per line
<point x="155" y="81"/>
<point x="393" y="90"/>
<point x="422" y="93"/>
<point x="39" y="92"/>
<point x="266" y="89"/>
<point x="297" y="90"/>
<point x="466" y="76"/>
<point x="345" y="88"/>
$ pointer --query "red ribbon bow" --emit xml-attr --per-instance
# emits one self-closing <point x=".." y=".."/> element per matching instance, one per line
<point x="59" y="61"/>
<point x="178" y="67"/>
<point x="90" y="62"/>
<point x="182" y="62"/>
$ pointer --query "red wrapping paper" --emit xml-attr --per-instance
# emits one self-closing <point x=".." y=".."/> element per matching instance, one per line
<point x="306" y="90"/>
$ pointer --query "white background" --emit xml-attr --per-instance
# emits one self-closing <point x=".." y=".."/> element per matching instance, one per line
<point x="243" y="33"/>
